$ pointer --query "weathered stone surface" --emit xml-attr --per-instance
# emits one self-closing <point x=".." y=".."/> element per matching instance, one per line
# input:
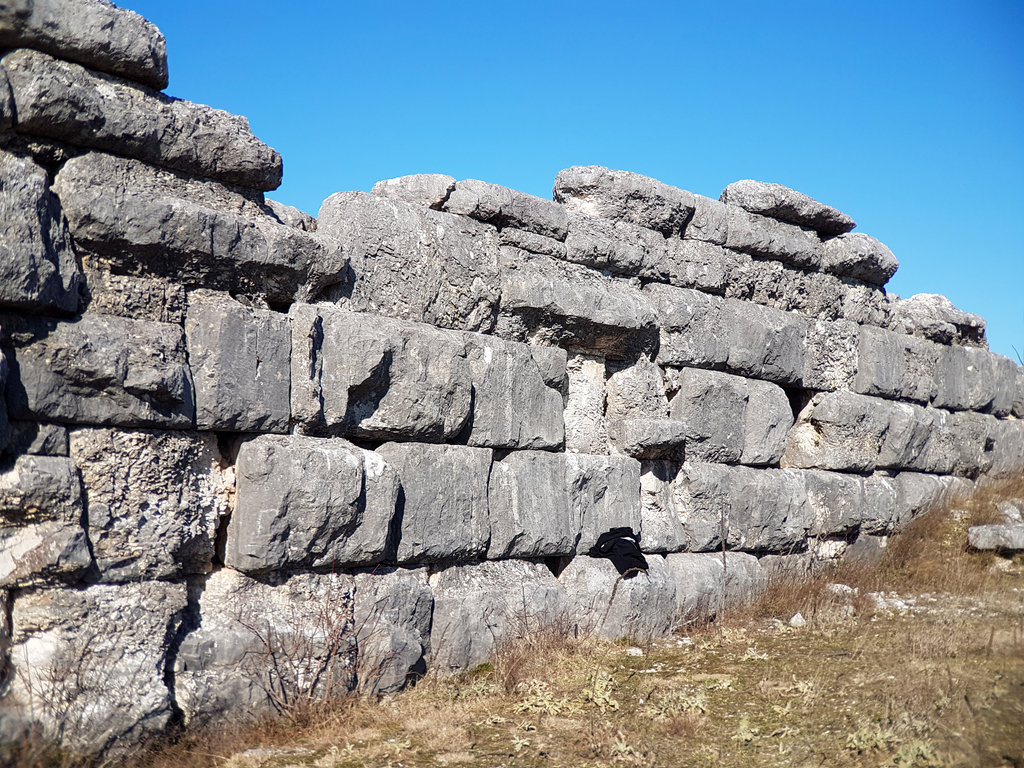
<point x="771" y="239"/>
<point x="624" y="196"/>
<point x="393" y="611"/>
<point x="377" y="377"/>
<point x="997" y="538"/>
<point x="1017" y="407"/>
<point x="969" y="378"/>
<point x="99" y="369"/>
<point x="512" y="407"/>
<point x="282" y="521"/>
<point x="710" y="221"/>
<point x="934" y="317"/>
<point x="831" y="355"/>
<point x="660" y="526"/>
<point x="1008" y="453"/>
<point x="635" y="389"/>
<point x="254" y="648"/>
<point x="859" y="256"/>
<point x="694" y="264"/>
<point x="973" y="441"/>
<point x="731" y="419"/>
<point x="504" y="207"/>
<point x="552" y="362"/>
<point x="604" y="492"/>
<point x="786" y="204"/>
<point x="641" y="607"/>
<point x="37" y="267"/>
<point x="159" y="299"/>
<point x="442" y="507"/>
<point x="6" y="107"/>
<point x="865" y="304"/>
<point x="897" y="366"/>
<point x="585" y="428"/>
<point x="154" y="500"/>
<point x="916" y="493"/>
<point x="414" y="263"/>
<point x="648" y="438"/>
<point x="289" y="215"/>
<point x="141" y="219"/>
<point x="867" y="550"/>
<point x="89" y="664"/>
<point x="699" y="581"/>
<point x="838" y="502"/>
<point x="481" y="606"/>
<point x="704" y="331"/>
<point x="99" y="35"/>
<point x="552" y="302"/>
<point x="531" y="511"/>
<point x="429" y="189"/>
<point x="5" y="429"/>
<point x="528" y="241"/>
<point x="618" y="247"/>
<point x="41" y="516"/>
<point x="59" y="100"/>
<point x="240" y="359"/>
<point x="880" y="504"/>
<point x="29" y="437"/>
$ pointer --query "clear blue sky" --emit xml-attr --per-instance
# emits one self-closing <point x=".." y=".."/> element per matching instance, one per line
<point x="909" y="116"/>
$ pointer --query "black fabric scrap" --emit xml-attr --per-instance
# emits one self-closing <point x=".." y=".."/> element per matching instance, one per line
<point x="622" y="547"/>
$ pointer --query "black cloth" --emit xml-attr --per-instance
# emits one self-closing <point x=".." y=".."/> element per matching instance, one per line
<point x="622" y="547"/>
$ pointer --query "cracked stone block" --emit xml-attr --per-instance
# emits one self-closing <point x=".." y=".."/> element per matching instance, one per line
<point x="635" y="390"/>
<point x="772" y="239"/>
<point x="859" y="256"/>
<point x="660" y="527"/>
<point x="838" y="502"/>
<point x="831" y="357"/>
<point x="996" y="538"/>
<point x="969" y="378"/>
<point x="532" y="513"/>
<point x="35" y="439"/>
<point x="694" y="264"/>
<point x="504" y="207"/>
<point x="159" y="299"/>
<point x="604" y="492"/>
<point x="585" y="427"/>
<point x="710" y="222"/>
<point x="429" y="189"/>
<point x="617" y="247"/>
<point x="931" y="316"/>
<point x="896" y="366"/>
<point x="787" y="204"/>
<point x="648" y="438"/>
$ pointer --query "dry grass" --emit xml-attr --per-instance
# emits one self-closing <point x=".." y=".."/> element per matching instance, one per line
<point x="934" y="677"/>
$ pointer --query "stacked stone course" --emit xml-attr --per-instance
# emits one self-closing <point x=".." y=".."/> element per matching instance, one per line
<point x="376" y="443"/>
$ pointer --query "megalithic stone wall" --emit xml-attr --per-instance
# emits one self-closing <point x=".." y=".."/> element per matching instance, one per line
<point x="239" y="440"/>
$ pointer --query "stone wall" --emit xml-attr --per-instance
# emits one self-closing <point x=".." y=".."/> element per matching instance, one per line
<point x="251" y="457"/>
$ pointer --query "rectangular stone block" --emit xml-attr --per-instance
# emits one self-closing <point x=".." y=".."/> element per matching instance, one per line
<point x="528" y="241"/>
<point x="112" y="115"/>
<point x="99" y="369"/>
<point x="604" y="492"/>
<point x="710" y="222"/>
<point x="660" y="527"/>
<point x="787" y="204"/>
<point x="693" y="264"/>
<point x="635" y="389"/>
<point x="282" y="521"/>
<point x="531" y="511"/>
<point x="934" y="317"/>
<point x="504" y="207"/>
<point x="971" y="378"/>
<point x="859" y="256"/>
<point x="426" y="189"/>
<point x="771" y="239"/>
<point x="1008" y="454"/>
<point x="831" y="355"/>
<point x="99" y="35"/>
<point x="442" y="506"/>
<point x="617" y="247"/>
<point x="838" y="502"/>
<point x="648" y="438"/>
<point x="159" y="299"/>
<point x="708" y="582"/>
<point x="35" y="439"/>
<point x="896" y="366"/>
<point x="586" y="430"/>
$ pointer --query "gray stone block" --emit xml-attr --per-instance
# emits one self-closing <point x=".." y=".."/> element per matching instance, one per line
<point x="532" y="513"/>
<point x="699" y="580"/>
<point x="141" y="219"/>
<point x="99" y="369"/>
<point x="59" y="100"/>
<point x="617" y="247"/>
<point x="480" y="607"/>
<point x="970" y="378"/>
<point x="38" y="269"/>
<point x="429" y="189"/>
<point x="257" y="648"/>
<point x="154" y="501"/>
<point x="604" y="492"/>
<point x="552" y="362"/>
<point x="240" y="359"/>
<point x="859" y="256"/>
<point x="6" y="107"/>
<point x="34" y="439"/>
<point x="838" y="502"/>
<point x="528" y="241"/>
<point x="99" y="35"/>
<point x="89" y="663"/>
<point x="880" y="504"/>
<point x="281" y="521"/>
<point x="771" y="239"/>
<point x="624" y="196"/>
<point x="586" y="430"/>
<point x="934" y="317"/>
<point x="289" y="215"/>
<point x="641" y="607"/>
<point x="996" y="538"/>
<point x="745" y="578"/>
<point x="553" y="302"/>
<point x="916" y="493"/>
<point x="660" y="527"/>
<point x="1017" y="407"/>
<point x="694" y="264"/>
<point x="973" y="440"/>
<point x="504" y="207"/>
<point x="442" y="509"/>
<point x="897" y="366"/>
<point x="635" y="389"/>
<point x="831" y="355"/>
<point x="512" y="406"/>
<point x="648" y="438"/>
<point x="393" y="610"/>
<point x="1008" y="453"/>
<point x="865" y="304"/>
<point x="159" y="299"/>
<point x="786" y="204"/>
<point x="377" y="377"/>
<point x="710" y="221"/>
<point x="414" y="263"/>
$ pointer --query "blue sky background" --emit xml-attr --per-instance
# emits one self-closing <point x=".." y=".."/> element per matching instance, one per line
<point x="909" y="116"/>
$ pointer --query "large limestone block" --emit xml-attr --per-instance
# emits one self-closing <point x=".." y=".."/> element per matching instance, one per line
<point x="59" y="100"/>
<point x="831" y="355"/>
<point x="895" y="365"/>
<point x="880" y="504"/>
<point x="480" y="607"/>
<point x="916" y="493"/>
<point x="996" y="538"/>
<point x="745" y="339"/>
<point x="771" y="239"/>
<point x="6" y="108"/>
<point x="624" y="196"/>
<point x="504" y="207"/>
<point x="377" y="377"/>
<point x="99" y="369"/>
<point x="1008" y="453"/>
<point x="641" y="607"/>
<point x="154" y="500"/>
<point x="532" y="513"/>
<point x="240" y="359"/>
<point x="604" y="492"/>
<point x="429" y="189"/>
<point x="556" y="303"/>
<point x="41" y="514"/>
<point x="934" y="317"/>
<point x="142" y="219"/>
<point x="512" y="404"/>
<point x="700" y="585"/>
<point x="694" y="264"/>
<point x="635" y="389"/>
<point x="89" y="663"/>
<point x="975" y="441"/>
<point x="97" y="34"/>
<point x="393" y="611"/>
<point x="528" y="241"/>
<point x="159" y="299"/>
<point x="442" y="508"/>
<point x="282" y="521"/>
<point x="648" y="438"/>
<point x="414" y="263"/>
<point x="661" y="529"/>
<point x="586" y="430"/>
<point x="617" y="247"/>
<point x="969" y="378"/>
<point x="731" y="419"/>
<point x="37" y="266"/>
<point x="259" y="647"/>
<point x="786" y="204"/>
<point x="1017" y="407"/>
<point x="37" y="439"/>
<point x="838" y="502"/>
<point x="710" y="222"/>
<point x="859" y="256"/>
